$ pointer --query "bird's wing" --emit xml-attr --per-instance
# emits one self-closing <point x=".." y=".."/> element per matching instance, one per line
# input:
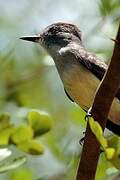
<point x="90" y="61"/>
<point x="95" y="65"/>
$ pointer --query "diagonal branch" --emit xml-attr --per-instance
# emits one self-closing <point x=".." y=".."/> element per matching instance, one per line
<point x="101" y="106"/>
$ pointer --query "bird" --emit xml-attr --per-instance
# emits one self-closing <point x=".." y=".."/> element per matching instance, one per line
<point x="80" y="70"/>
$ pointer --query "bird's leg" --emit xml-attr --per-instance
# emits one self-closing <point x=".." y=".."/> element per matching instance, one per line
<point x="88" y="114"/>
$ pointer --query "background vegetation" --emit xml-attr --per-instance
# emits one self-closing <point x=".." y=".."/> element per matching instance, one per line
<point x="29" y="80"/>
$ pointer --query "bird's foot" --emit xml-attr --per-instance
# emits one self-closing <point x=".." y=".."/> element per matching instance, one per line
<point x="81" y="141"/>
<point x="88" y="114"/>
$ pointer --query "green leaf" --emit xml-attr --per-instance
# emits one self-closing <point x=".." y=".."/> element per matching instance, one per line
<point x="40" y="121"/>
<point x="110" y="153"/>
<point x="103" y="142"/>
<point x="95" y="127"/>
<point x="31" y="147"/>
<point x="4" y="120"/>
<point x="98" y="132"/>
<point x="114" y="141"/>
<point x="22" y="174"/>
<point x="5" y="135"/>
<point x="22" y="133"/>
<point x="116" y="161"/>
<point x="10" y="165"/>
<point x="4" y="153"/>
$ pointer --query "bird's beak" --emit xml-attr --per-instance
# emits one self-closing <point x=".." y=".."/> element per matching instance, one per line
<point x="33" y="38"/>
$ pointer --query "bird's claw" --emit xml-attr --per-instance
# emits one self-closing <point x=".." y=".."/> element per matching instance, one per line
<point x="81" y="141"/>
<point x="88" y="114"/>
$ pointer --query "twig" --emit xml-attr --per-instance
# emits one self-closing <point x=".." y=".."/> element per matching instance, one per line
<point x="101" y="106"/>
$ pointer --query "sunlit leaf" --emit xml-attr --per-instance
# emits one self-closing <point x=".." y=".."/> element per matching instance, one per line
<point x="110" y="147"/>
<point x="22" y="133"/>
<point x="15" y="163"/>
<point x="110" y="153"/>
<point x="114" y="141"/>
<point x="95" y="127"/>
<point x="98" y="132"/>
<point x="40" y="121"/>
<point x="103" y="141"/>
<point x="31" y="147"/>
<point x="104" y="164"/>
<point x="4" y="153"/>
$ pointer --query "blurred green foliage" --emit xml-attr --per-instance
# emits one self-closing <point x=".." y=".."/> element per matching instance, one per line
<point x="109" y="8"/>
<point x="22" y="136"/>
<point x="22" y="174"/>
<point x="22" y="133"/>
<point x="28" y="80"/>
<point x="12" y="164"/>
<point x="40" y="122"/>
<point x="36" y="123"/>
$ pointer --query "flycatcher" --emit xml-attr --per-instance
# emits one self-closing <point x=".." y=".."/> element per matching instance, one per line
<point x="79" y="70"/>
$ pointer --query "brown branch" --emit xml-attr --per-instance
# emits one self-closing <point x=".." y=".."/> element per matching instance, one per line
<point x="101" y="106"/>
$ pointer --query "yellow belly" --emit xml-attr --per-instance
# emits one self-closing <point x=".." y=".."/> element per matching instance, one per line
<point x="81" y="85"/>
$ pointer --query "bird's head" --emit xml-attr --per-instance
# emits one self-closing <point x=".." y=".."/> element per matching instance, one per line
<point x="56" y="36"/>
